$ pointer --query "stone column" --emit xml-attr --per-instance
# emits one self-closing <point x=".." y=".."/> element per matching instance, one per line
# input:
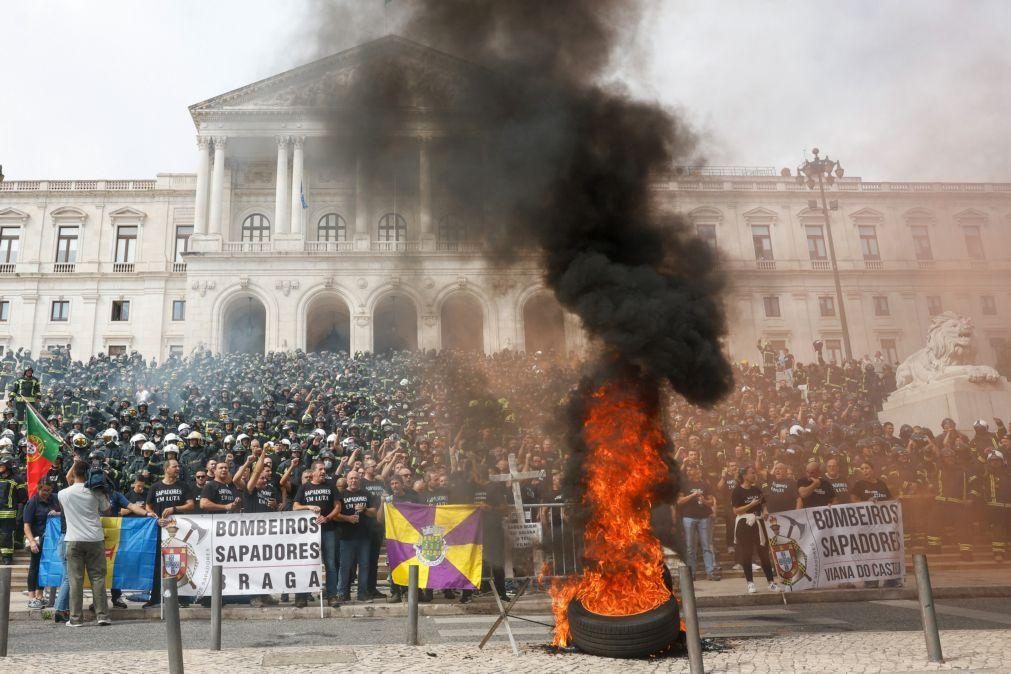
<point x="362" y="237"/>
<point x="298" y="143"/>
<point x="203" y="168"/>
<point x="425" y="195"/>
<point x="217" y="187"/>
<point x="281" y="203"/>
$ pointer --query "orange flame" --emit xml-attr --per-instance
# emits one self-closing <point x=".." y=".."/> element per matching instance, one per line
<point x="623" y="573"/>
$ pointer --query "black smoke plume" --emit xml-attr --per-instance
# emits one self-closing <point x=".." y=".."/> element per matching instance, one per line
<point x="543" y="153"/>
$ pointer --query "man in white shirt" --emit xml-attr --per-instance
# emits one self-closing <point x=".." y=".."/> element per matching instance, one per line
<point x="85" y="543"/>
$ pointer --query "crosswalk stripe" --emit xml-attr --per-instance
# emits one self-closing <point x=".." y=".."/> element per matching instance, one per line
<point x="986" y="616"/>
<point x="472" y="619"/>
<point x="480" y="632"/>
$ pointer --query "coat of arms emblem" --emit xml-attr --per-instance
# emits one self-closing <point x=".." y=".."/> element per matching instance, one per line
<point x="431" y="549"/>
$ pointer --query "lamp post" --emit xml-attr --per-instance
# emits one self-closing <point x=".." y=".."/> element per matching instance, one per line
<point x="816" y="173"/>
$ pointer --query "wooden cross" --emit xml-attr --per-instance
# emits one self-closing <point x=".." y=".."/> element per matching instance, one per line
<point x="516" y="476"/>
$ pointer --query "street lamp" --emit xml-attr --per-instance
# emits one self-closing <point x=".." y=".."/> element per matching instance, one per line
<point x="816" y="173"/>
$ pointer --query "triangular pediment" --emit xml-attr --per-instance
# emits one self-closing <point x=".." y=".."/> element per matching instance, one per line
<point x="318" y="84"/>
<point x="867" y="214"/>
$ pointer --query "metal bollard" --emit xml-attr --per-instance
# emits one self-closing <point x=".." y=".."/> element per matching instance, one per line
<point x="173" y="630"/>
<point x="691" y="618"/>
<point x="926" y="594"/>
<point x="5" y="608"/>
<point x="216" y="579"/>
<point x="412" y="606"/>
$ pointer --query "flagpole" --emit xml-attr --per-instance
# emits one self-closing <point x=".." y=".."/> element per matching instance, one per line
<point x="56" y="434"/>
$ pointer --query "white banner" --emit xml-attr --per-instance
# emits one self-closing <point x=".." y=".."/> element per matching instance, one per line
<point x="826" y="547"/>
<point x="264" y="553"/>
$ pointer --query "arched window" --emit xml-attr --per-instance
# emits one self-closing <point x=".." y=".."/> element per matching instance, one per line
<point x="332" y="227"/>
<point x="452" y="232"/>
<point x="392" y="227"/>
<point x="256" y="227"/>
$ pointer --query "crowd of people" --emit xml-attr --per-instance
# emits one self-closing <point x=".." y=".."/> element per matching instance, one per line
<point x="338" y="433"/>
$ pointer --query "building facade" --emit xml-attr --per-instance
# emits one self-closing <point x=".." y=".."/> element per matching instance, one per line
<point x="282" y="241"/>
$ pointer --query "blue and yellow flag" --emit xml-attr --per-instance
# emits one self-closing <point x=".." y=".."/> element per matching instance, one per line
<point x="130" y="547"/>
<point x="443" y="541"/>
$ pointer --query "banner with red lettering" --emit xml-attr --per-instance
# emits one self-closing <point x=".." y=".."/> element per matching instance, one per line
<point x="848" y="544"/>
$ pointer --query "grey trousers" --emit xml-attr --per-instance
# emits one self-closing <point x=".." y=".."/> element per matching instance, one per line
<point x="90" y="556"/>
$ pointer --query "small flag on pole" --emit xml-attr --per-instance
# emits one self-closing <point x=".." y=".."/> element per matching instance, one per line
<point x="301" y="195"/>
<point x="43" y="448"/>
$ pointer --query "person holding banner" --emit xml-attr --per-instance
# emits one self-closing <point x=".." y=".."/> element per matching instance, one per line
<point x="750" y="535"/>
<point x="260" y="496"/>
<point x="36" y="514"/>
<point x="320" y="496"/>
<point x="168" y="496"/>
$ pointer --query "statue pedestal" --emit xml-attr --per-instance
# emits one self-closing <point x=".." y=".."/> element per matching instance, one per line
<point x="926" y="405"/>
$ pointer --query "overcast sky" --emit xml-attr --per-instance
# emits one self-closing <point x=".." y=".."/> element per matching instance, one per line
<point x="896" y="89"/>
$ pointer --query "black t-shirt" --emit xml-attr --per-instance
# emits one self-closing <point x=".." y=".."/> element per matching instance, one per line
<point x="322" y="495"/>
<point x="258" y="500"/>
<point x="728" y="486"/>
<point x="348" y="500"/>
<point x="375" y="488"/>
<point x="162" y="496"/>
<point x="216" y="492"/>
<point x="747" y="496"/>
<point x="841" y="488"/>
<point x="134" y="497"/>
<point x="694" y="508"/>
<point x="780" y="495"/>
<point x="437" y="497"/>
<point x="872" y="490"/>
<point x="822" y="496"/>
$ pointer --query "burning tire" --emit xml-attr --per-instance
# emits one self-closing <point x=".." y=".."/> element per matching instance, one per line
<point x="630" y="636"/>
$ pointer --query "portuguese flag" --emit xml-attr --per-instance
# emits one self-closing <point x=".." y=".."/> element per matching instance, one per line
<point x="43" y="448"/>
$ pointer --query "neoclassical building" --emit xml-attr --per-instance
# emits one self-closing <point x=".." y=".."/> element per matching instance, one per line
<point x="279" y="242"/>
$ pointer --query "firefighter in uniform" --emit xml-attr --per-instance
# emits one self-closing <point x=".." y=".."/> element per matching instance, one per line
<point x="951" y="500"/>
<point x="991" y="491"/>
<point x="25" y="390"/>
<point x="12" y="494"/>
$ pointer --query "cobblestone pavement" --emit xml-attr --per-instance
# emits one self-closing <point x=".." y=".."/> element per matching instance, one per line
<point x="852" y="653"/>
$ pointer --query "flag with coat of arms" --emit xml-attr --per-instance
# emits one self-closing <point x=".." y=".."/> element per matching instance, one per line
<point x="443" y="541"/>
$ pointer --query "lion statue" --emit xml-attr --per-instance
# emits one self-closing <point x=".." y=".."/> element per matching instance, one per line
<point x="948" y="355"/>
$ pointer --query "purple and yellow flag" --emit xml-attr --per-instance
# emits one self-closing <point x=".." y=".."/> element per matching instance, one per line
<point x="443" y="541"/>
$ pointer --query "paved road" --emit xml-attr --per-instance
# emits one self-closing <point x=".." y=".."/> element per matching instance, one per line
<point x="38" y="637"/>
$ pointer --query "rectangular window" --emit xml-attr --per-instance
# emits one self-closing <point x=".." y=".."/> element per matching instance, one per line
<point x="833" y="350"/>
<point x="183" y="233"/>
<point x="890" y="351"/>
<point x="973" y="242"/>
<point x="763" y="242"/>
<point x="708" y="234"/>
<point x="816" y="242"/>
<point x="10" y="240"/>
<point x="66" y="244"/>
<point x="989" y="305"/>
<point x="126" y="243"/>
<point x="60" y="310"/>
<point x="921" y="243"/>
<point x="771" y="307"/>
<point x="5" y="311"/>
<point x="826" y="304"/>
<point x="881" y="307"/>
<point x="178" y="310"/>
<point x="117" y="350"/>
<point x="934" y="305"/>
<point x="869" y="242"/>
<point x="175" y="351"/>
<point x="121" y="310"/>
